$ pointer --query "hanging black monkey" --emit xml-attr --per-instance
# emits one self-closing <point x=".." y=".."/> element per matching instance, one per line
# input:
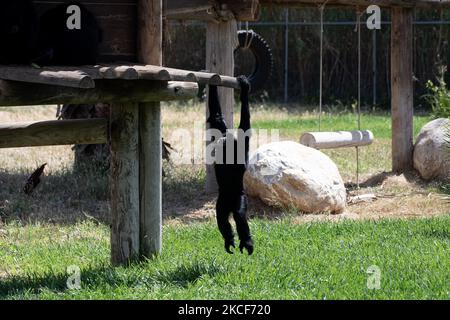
<point x="232" y="198"/>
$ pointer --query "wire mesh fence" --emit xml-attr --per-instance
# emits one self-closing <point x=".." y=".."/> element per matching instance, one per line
<point x="294" y="37"/>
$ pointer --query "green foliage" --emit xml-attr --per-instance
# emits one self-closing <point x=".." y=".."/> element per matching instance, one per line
<point x="308" y="261"/>
<point x="439" y="98"/>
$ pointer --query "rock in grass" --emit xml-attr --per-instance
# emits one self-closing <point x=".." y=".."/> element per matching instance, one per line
<point x="431" y="154"/>
<point x="290" y="175"/>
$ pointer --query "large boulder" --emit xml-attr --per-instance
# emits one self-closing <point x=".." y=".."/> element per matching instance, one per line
<point x="291" y="175"/>
<point x="431" y="155"/>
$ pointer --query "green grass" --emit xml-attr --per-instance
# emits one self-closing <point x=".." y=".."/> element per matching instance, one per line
<point x="308" y="261"/>
<point x="379" y="124"/>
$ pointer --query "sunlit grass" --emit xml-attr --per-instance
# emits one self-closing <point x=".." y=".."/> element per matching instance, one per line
<point x="307" y="261"/>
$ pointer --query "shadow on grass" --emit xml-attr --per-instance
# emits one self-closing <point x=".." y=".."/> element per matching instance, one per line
<point x="70" y="196"/>
<point x="440" y="234"/>
<point x="184" y="275"/>
<point x="62" y="197"/>
<point x="136" y="275"/>
<point x="184" y="191"/>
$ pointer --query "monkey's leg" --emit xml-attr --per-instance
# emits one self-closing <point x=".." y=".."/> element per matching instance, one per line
<point x="240" y="217"/>
<point x="215" y="119"/>
<point x="223" y="222"/>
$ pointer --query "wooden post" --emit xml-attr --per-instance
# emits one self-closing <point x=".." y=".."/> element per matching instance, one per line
<point x="221" y="40"/>
<point x="150" y="52"/>
<point x="124" y="183"/>
<point x="402" y="89"/>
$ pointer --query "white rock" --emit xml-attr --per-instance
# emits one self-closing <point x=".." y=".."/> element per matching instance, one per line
<point x="291" y="175"/>
<point x="431" y="156"/>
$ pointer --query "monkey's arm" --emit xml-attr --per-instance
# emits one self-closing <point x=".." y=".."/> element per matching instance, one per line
<point x="244" y="124"/>
<point x="215" y="119"/>
<point x="245" y="109"/>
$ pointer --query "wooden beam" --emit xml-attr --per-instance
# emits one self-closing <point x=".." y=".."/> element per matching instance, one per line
<point x="177" y="74"/>
<point x="210" y="10"/>
<point x="221" y="39"/>
<point x="124" y="183"/>
<point x="362" y="3"/>
<point x="179" y="7"/>
<point x="75" y="79"/>
<point x="150" y="175"/>
<point x="243" y="10"/>
<point x="20" y="94"/>
<point x="402" y="89"/>
<point x="53" y="133"/>
<point x="83" y="77"/>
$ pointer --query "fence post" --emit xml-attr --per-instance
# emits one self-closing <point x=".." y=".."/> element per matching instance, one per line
<point x="286" y="55"/>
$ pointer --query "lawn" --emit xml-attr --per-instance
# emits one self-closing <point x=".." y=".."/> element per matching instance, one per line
<point x="292" y="261"/>
<point x="65" y="222"/>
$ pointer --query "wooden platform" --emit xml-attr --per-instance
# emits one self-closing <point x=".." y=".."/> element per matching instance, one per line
<point x="84" y="77"/>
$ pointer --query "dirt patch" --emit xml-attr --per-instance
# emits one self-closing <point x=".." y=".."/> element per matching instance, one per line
<point x="396" y="196"/>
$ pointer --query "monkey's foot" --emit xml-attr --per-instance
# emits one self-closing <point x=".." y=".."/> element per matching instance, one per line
<point x="228" y="245"/>
<point x="248" y="245"/>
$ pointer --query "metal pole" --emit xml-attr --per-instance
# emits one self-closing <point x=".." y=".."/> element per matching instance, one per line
<point x="374" y="66"/>
<point x="286" y="54"/>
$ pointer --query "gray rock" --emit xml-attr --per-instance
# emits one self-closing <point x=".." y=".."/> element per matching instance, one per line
<point x="431" y="155"/>
<point x="290" y="175"/>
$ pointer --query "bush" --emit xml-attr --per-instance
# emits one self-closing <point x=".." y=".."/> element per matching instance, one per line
<point x="439" y="98"/>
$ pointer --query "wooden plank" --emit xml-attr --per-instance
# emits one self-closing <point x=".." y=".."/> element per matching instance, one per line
<point x="53" y="133"/>
<point x="149" y="72"/>
<point x="186" y="6"/>
<point x="229" y="82"/>
<point x="178" y="74"/>
<point x="210" y="10"/>
<point x="124" y="183"/>
<point x="124" y="72"/>
<point x="95" y="72"/>
<point x="75" y="79"/>
<point x="14" y="93"/>
<point x="150" y="52"/>
<point x="208" y="78"/>
<point x="247" y="10"/>
<point x="337" y="139"/>
<point x="83" y="76"/>
<point x="203" y="10"/>
<point x="221" y="39"/>
<point x="402" y="89"/>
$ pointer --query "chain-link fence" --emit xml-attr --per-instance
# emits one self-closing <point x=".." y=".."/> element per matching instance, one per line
<point x="294" y="37"/>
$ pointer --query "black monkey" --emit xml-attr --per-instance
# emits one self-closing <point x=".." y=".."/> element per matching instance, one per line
<point x="232" y="198"/>
<point x="18" y="31"/>
<point x="60" y="45"/>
